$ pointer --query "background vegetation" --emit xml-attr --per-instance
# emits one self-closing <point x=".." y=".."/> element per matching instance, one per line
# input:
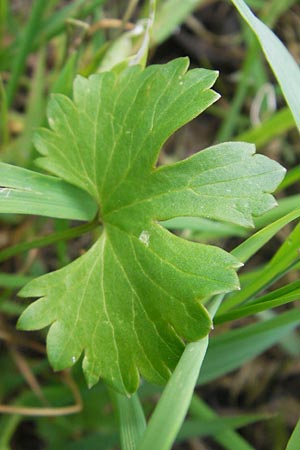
<point x="250" y="377"/>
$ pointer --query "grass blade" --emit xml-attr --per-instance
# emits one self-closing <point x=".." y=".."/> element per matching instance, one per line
<point x="4" y="133"/>
<point x="174" y="402"/>
<point x="8" y="426"/>
<point x="24" y="48"/>
<point x="64" y="82"/>
<point x="279" y="297"/>
<point x="171" y="14"/>
<point x="3" y="18"/>
<point x="278" y="124"/>
<point x="287" y="74"/>
<point x="13" y="281"/>
<point x="255" y="242"/>
<point x="169" y="413"/>
<point x="23" y="191"/>
<point x="294" y="441"/>
<point x="132" y="420"/>
<point x="228" y="438"/>
<point x="214" y="426"/>
<point x="229" y="124"/>
<point x="238" y="346"/>
<point x="285" y="259"/>
<point x="20" y="150"/>
<point x="58" y="237"/>
<point x="56" y="23"/>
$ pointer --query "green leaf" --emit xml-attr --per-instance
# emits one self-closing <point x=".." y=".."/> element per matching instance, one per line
<point x="26" y="192"/>
<point x="134" y="299"/>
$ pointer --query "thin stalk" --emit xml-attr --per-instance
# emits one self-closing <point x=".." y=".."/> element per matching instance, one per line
<point x="128" y="13"/>
<point x="64" y="235"/>
<point x="228" y="127"/>
<point x="4" y="133"/>
<point x="8" y="427"/>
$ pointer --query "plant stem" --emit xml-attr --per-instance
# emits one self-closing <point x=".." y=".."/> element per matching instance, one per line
<point x="64" y="235"/>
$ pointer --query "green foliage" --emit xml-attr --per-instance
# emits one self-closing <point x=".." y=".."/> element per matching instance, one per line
<point x="294" y="440"/>
<point x="287" y="74"/>
<point x="135" y="262"/>
<point x="140" y="289"/>
<point x="24" y="190"/>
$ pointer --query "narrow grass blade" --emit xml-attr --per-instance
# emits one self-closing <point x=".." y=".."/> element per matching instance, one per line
<point x="64" y="82"/>
<point x="289" y="249"/>
<point x="172" y="407"/>
<point x="19" y="151"/>
<point x="279" y="297"/>
<point x="24" y="48"/>
<point x="229" y="439"/>
<point x="229" y="124"/>
<point x="213" y="426"/>
<point x="58" y="237"/>
<point x="4" y="133"/>
<point x="8" y="280"/>
<point x="291" y="177"/>
<point x="285" y="259"/>
<point x="169" y="413"/>
<point x="170" y="15"/>
<point x="3" y="18"/>
<point x="8" y="426"/>
<point x="274" y="9"/>
<point x="132" y="420"/>
<point x="255" y="242"/>
<point x="294" y="441"/>
<point x="23" y="191"/>
<point x="56" y="23"/>
<point x="283" y="65"/>
<point x="286" y="205"/>
<point x="98" y="441"/>
<point x="278" y="124"/>
<point x="231" y="350"/>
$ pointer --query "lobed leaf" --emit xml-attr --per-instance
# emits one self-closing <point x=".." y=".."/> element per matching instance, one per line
<point x="137" y="295"/>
